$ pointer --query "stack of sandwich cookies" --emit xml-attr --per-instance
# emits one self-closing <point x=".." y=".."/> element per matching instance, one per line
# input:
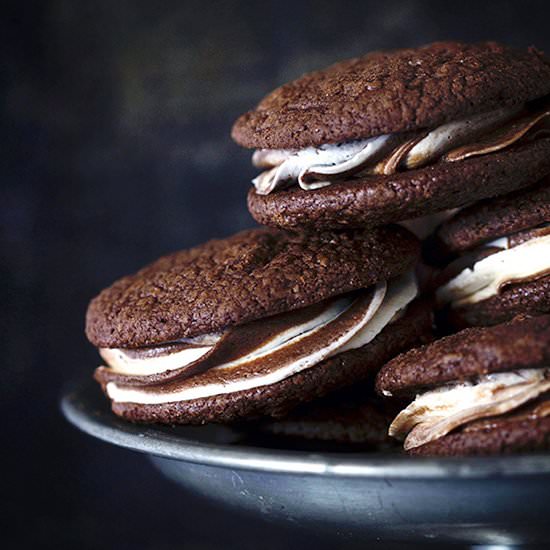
<point x="501" y="265"/>
<point x="396" y="135"/>
<point x="484" y="390"/>
<point x="256" y="323"/>
<point x="266" y="325"/>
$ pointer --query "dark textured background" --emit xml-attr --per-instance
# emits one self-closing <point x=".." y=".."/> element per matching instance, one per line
<point x="116" y="149"/>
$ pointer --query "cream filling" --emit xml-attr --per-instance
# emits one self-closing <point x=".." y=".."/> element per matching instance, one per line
<point x="146" y="366"/>
<point x="147" y="361"/>
<point x="315" y="162"/>
<point x="121" y="362"/>
<point x="435" y="413"/>
<point x="156" y="365"/>
<point x="453" y="134"/>
<point x="385" y="304"/>
<point x="298" y="332"/>
<point x="487" y="276"/>
<point x="314" y="167"/>
<point x="399" y="295"/>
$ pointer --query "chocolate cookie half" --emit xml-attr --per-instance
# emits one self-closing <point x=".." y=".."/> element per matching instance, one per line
<point x="256" y="323"/>
<point x="480" y="391"/>
<point x="503" y="263"/>
<point x="351" y="419"/>
<point x="399" y="134"/>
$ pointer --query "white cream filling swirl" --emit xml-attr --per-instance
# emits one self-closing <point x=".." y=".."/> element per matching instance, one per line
<point x="316" y="167"/>
<point x="313" y="166"/>
<point x="485" y="278"/>
<point x="122" y="361"/>
<point x="231" y="377"/>
<point x="437" y="412"/>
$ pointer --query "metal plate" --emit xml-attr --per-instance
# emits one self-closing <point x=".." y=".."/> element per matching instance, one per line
<point x="493" y="500"/>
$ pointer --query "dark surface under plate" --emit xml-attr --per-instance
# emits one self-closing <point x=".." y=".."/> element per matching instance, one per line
<point x="501" y="500"/>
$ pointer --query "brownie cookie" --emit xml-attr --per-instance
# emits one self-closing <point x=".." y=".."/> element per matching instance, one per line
<point x="480" y="391"/>
<point x="468" y="354"/>
<point x="362" y="426"/>
<point x="393" y="91"/>
<point x="531" y="297"/>
<point x="351" y="419"/>
<point x="399" y="134"/>
<point x="250" y="275"/>
<point x="490" y="219"/>
<point x="256" y="323"/>
<point x="498" y="255"/>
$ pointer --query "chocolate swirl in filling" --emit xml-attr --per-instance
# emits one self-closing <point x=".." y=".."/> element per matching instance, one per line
<point x="264" y="351"/>
<point x="315" y="167"/>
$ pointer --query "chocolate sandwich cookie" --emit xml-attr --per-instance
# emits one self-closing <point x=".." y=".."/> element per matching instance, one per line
<point x="255" y="323"/>
<point x="399" y="134"/>
<point x="501" y="265"/>
<point x="484" y="390"/>
<point x="351" y="419"/>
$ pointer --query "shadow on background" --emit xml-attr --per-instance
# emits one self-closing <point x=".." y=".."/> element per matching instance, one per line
<point x="116" y="150"/>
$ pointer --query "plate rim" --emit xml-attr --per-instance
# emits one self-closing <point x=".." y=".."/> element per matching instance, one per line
<point x="77" y="408"/>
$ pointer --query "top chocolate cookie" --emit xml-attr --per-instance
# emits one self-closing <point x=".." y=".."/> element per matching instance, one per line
<point x="492" y="218"/>
<point x="521" y="343"/>
<point x="394" y="91"/>
<point x="247" y="276"/>
<point x="396" y="135"/>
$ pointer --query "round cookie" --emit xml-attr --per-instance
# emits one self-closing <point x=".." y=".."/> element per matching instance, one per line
<point x="499" y="254"/>
<point x="394" y="91"/>
<point x="278" y="399"/>
<point x="250" y="275"/>
<point x="358" y="426"/>
<point x="520" y="343"/>
<point x="399" y="134"/>
<point x="256" y="324"/>
<point x="377" y="200"/>
<point x="481" y="391"/>
<point x="492" y="218"/>
<point x="349" y="420"/>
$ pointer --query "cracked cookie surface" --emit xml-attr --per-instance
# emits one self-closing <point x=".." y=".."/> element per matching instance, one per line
<point x="394" y="91"/>
<point x="520" y="343"/>
<point x="247" y="276"/>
